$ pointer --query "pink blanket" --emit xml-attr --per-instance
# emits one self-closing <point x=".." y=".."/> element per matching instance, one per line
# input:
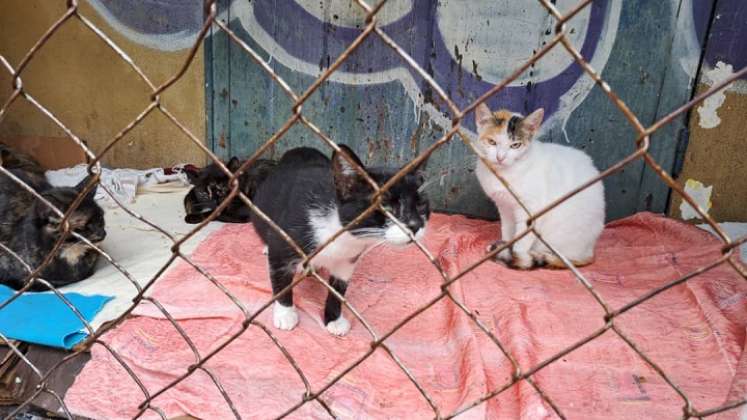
<point x="695" y="332"/>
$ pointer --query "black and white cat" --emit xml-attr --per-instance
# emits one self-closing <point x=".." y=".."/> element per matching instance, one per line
<point x="311" y="198"/>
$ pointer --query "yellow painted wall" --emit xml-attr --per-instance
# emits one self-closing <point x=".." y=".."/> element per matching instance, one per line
<point x="94" y="92"/>
<point x="716" y="158"/>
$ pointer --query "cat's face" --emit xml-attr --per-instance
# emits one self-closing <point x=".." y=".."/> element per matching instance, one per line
<point x="504" y="136"/>
<point x="210" y="188"/>
<point x="87" y="220"/>
<point x="403" y="200"/>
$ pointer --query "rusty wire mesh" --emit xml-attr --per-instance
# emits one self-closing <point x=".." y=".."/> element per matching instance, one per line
<point x="378" y="339"/>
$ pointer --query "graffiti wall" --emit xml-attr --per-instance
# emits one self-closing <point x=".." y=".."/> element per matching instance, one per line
<point x="649" y="52"/>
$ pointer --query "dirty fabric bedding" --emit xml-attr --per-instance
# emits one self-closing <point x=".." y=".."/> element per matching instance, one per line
<point x="695" y="332"/>
<point x="137" y="247"/>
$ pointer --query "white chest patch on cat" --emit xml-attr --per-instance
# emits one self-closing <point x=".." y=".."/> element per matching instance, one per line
<point x="344" y="250"/>
<point x="73" y="253"/>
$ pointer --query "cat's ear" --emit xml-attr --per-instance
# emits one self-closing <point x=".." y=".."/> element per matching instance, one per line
<point x="483" y="116"/>
<point x="82" y="186"/>
<point x="419" y="171"/>
<point x="193" y="173"/>
<point x="233" y="164"/>
<point x="7" y="160"/>
<point x="45" y="214"/>
<point x="533" y="121"/>
<point x="345" y="174"/>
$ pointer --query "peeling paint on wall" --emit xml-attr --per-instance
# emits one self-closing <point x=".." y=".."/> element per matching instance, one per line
<point x="702" y="197"/>
<point x="708" y="112"/>
<point x="712" y="75"/>
<point x="727" y="34"/>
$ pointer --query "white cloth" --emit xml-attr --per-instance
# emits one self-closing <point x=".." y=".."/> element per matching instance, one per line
<point x="122" y="183"/>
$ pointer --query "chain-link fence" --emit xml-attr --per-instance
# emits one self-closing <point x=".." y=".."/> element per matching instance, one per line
<point x="315" y="393"/>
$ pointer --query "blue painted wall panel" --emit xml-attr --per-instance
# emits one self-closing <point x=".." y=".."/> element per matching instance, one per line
<point x="647" y="51"/>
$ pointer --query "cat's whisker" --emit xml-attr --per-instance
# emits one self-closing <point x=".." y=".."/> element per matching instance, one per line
<point x="369" y="235"/>
<point x="367" y="231"/>
<point x="376" y="245"/>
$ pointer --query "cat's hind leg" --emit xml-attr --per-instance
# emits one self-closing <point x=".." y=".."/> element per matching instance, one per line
<point x="284" y="315"/>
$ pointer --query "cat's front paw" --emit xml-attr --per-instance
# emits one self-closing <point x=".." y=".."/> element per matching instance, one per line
<point x="284" y="317"/>
<point x="504" y="255"/>
<point x="521" y="261"/>
<point x="340" y="326"/>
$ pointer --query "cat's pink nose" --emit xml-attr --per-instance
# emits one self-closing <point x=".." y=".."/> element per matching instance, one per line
<point x="500" y="157"/>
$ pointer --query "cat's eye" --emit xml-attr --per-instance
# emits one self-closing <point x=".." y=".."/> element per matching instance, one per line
<point x="491" y="142"/>
<point x="516" y="145"/>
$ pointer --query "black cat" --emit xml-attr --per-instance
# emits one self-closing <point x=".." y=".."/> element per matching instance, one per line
<point x="30" y="229"/>
<point x="211" y="187"/>
<point x="311" y="198"/>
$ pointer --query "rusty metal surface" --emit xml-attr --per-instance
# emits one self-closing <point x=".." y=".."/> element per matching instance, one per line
<point x="315" y="393"/>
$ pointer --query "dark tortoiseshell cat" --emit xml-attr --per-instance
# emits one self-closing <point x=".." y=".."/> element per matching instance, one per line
<point x="211" y="187"/>
<point x="30" y="229"/>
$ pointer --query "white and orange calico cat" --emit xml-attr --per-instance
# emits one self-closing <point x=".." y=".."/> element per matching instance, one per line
<point x="538" y="173"/>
